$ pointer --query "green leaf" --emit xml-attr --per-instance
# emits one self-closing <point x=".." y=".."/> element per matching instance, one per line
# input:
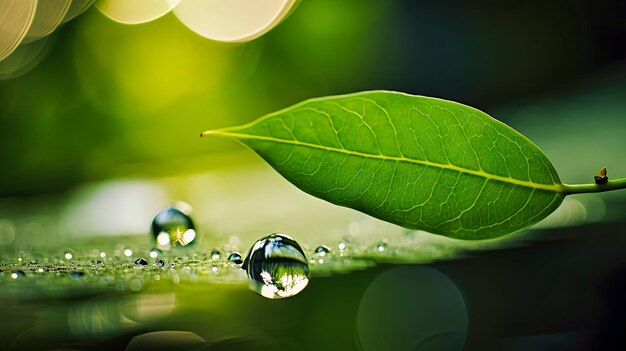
<point x="419" y="162"/>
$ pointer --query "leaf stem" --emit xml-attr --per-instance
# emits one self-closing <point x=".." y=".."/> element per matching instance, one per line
<point x="615" y="184"/>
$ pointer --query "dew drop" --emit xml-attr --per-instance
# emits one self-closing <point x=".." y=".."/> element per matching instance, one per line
<point x="155" y="252"/>
<point x="128" y="251"/>
<point x="215" y="254"/>
<point x="172" y="227"/>
<point x="16" y="274"/>
<point x="277" y="267"/>
<point x="235" y="257"/>
<point x="382" y="246"/>
<point x="141" y="262"/>
<point x="69" y="254"/>
<point x="322" y="250"/>
<point x="160" y="262"/>
<point x="341" y="246"/>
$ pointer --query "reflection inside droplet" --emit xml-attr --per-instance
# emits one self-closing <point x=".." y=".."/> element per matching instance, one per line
<point x="277" y="267"/>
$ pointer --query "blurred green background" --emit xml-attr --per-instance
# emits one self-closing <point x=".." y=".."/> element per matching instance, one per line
<point x="113" y="100"/>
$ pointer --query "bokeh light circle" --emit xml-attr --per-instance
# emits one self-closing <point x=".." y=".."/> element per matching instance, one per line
<point x="233" y="20"/>
<point x="135" y="11"/>
<point x="412" y="308"/>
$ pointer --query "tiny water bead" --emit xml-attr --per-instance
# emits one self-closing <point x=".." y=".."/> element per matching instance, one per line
<point x="381" y="246"/>
<point x="342" y="245"/>
<point x="154" y="253"/>
<point x="171" y="227"/>
<point x="69" y="254"/>
<point x="160" y="262"/>
<point x="215" y="254"/>
<point x="16" y="274"/>
<point x="235" y="257"/>
<point x="141" y="262"/>
<point x="128" y="251"/>
<point x="277" y="267"/>
<point x="322" y="250"/>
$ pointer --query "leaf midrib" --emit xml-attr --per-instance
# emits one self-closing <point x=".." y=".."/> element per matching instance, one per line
<point x="558" y="188"/>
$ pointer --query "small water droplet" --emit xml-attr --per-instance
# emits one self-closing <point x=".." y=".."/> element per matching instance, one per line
<point x="235" y="257"/>
<point x="381" y="246"/>
<point x="342" y="245"/>
<point x="99" y="262"/>
<point x="160" y="262"/>
<point x="215" y="254"/>
<point x="141" y="262"/>
<point x="214" y="269"/>
<point x="277" y="267"/>
<point x="322" y="250"/>
<point x="171" y="227"/>
<point x="128" y="251"/>
<point x="16" y="274"/>
<point x="154" y="253"/>
<point x="69" y="254"/>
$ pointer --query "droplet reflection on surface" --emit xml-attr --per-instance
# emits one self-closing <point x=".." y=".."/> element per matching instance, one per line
<point x="277" y="267"/>
<point x="76" y="274"/>
<point x="171" y="228"/>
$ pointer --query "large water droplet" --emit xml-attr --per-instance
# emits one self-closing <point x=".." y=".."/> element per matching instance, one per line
<point x="171" y="227"/>
<point x="277" y="267"/>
